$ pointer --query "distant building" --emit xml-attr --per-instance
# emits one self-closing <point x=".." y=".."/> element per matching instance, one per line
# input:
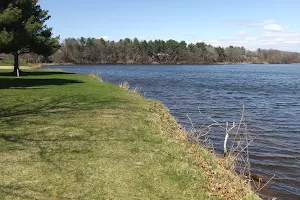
<point x="162" y="54"/>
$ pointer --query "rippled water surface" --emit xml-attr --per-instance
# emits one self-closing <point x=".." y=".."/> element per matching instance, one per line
<point x="270" y="93"/>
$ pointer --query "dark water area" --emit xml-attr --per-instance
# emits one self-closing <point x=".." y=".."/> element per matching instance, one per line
<point x="270" y="93"/>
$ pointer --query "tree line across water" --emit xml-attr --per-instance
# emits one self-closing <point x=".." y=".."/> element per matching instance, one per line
<point x="134" y="51"/>
<point x="128" y="51"/>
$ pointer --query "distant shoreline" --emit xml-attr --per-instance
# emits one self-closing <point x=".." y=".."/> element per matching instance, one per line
<point x="40" y="65"/>
<point x="71" y="64"/>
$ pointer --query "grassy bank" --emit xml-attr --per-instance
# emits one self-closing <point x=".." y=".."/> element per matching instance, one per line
<point x="70" y="136"/>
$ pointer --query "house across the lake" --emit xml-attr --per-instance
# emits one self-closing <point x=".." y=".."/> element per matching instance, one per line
<point x="162" y="54"/>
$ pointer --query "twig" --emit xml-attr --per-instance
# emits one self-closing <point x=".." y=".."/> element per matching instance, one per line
<point x="266" y="183"/>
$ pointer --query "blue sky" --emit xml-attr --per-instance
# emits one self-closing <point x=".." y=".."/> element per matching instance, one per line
<point x="249" y="23"/>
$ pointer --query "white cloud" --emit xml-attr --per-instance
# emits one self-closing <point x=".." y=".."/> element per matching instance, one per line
<point x="240" y="33"/>
<point x="105" y="37"/>
<point x="272" y="35"/>
<point x="253" y="23"/>
<point x="273" y="27"/>
<point x="142" y="38"/>
<point x="283" y="34"/>
<point x="270" y="40"/>
<point x="270" y="24"/>
<point x="147" y="38"/>
<point x="292" y="41"/>
<point x="251" y="38"/>
<point x="212" y="41"/>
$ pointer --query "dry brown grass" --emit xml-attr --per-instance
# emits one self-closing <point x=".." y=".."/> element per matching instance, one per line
<point x="125" y="85"/>
<point x="12" y="67"/>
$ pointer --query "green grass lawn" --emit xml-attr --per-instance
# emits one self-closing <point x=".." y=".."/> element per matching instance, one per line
<point x="70" y="136"/>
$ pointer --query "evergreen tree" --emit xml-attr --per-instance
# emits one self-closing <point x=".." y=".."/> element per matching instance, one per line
<point x="22" y="30"/>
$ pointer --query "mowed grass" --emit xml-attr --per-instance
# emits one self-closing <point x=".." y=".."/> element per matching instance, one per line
<point x="70" y="136"/>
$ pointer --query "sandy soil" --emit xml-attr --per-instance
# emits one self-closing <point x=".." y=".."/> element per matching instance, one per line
<point x="11" y="67"/>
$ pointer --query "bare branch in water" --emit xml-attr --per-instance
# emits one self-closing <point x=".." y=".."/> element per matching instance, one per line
<point x="240" y="140"/>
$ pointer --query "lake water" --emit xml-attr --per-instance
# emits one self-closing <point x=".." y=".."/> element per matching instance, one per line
<point x="270" y="93"/>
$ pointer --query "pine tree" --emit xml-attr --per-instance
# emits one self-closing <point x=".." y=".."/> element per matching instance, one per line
<point x="23" y="30"/>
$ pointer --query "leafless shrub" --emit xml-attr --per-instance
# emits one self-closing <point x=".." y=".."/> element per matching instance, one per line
<point x="202" y="134"/>
<point x="137" y="90"/>
<point x="237" y="156"/>
<point x="124" y="85"/>
<point x="239" y="148"/>
<point x="96" y="75"/>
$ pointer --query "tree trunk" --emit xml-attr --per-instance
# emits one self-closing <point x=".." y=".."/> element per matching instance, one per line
<point x="16" y="65"/>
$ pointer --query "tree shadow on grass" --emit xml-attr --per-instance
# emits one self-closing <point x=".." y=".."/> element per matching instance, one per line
<point x="14" y="116"/>
<point x="54" y="151"/>
<point x="15" y="191"/>
<point x="13" y="83"/>
<point x="33" y="73"/>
